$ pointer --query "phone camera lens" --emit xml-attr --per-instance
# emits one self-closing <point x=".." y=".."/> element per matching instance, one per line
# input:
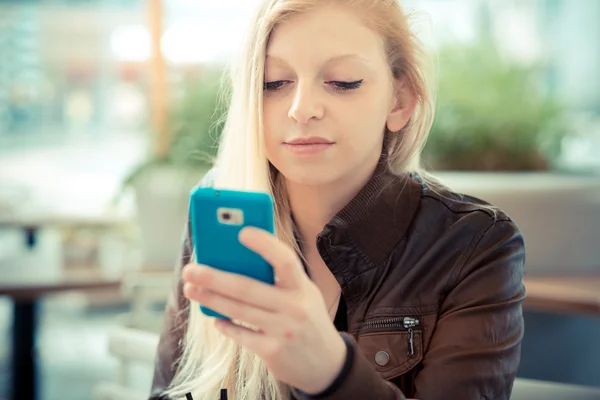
<point x="226" y="216"/>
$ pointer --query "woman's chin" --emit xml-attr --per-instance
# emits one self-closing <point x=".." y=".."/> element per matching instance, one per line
<point x="309" y="176"/>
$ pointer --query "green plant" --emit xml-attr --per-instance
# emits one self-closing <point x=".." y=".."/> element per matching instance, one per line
<point x="195" y="122"/>
<point x="492" y="114"/>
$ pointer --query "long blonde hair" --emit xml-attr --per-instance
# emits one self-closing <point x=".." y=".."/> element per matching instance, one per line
<point x="210" y="361"/>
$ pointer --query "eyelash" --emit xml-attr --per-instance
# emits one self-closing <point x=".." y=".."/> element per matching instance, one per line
<point x="340" y="86"/>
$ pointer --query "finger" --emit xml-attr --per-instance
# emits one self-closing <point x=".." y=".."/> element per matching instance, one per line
<point x="263" y="320"/>
<point x="243" y="336"/>
<point x="235" y="286"/>
<point x="282" y="258"/>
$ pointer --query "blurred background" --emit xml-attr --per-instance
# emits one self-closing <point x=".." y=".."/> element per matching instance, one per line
<point x="109" y="115"/>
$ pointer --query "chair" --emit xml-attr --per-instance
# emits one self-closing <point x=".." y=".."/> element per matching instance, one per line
<point x="128" y="346"/>
<point x="134" y="343"/>
<point x="145" y="289"/>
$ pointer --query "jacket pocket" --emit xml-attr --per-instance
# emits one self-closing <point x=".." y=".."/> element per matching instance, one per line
<point x="395" y="339"/>
<point x="393" y="345"/>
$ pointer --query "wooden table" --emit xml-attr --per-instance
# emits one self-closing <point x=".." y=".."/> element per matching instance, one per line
<point x="27" y="292"/>
<point x="30" y="223"/>
<point x="564" y="294"/>
<point x="26" y="295"/>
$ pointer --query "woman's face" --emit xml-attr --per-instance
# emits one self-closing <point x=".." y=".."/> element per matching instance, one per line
<point x="328" y="97"/>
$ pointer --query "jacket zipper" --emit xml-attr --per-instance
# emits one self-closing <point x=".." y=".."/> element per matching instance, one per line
<point x="408" y="323"/>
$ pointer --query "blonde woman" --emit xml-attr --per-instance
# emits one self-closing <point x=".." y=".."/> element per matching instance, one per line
<point x="389" y="286"/>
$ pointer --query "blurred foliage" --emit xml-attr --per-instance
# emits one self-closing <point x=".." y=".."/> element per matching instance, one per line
<point x="492" y="114"/>
<point x="195" y="122"/>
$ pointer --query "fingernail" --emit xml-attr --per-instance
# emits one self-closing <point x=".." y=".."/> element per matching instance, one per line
<point x="189" y="271"/>
<point x="194" y="270"/>
<point x="187" y="288"/>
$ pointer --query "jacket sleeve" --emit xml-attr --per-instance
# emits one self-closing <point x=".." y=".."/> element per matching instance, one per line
<point x="467" y="358"/>
<point x="176" y="315"/>
<point x="174" y="327"/>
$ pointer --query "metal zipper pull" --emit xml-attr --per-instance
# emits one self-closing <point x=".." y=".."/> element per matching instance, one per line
<point x="410" y="323"/>
<point x="411" y="343"/>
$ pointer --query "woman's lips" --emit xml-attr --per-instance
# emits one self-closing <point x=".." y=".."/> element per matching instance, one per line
<point x="308" y="146"/>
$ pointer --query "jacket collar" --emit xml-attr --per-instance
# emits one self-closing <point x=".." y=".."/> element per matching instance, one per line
<point x="364" y="233"/>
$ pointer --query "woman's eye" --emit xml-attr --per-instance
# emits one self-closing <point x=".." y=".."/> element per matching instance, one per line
<point x="342" y="85"/>
<point x="338" y="85"/>
<point x="274" y="85"/>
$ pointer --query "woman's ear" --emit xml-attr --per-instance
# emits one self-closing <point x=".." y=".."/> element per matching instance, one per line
<point x="403" y="106"/>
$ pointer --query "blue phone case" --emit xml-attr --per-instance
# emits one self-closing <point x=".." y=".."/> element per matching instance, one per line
<point x="215" y="224"/>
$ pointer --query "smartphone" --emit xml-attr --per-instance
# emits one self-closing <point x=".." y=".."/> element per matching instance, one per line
<point x="216" y="218"/>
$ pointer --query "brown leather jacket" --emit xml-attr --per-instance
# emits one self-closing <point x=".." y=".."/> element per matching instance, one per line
<point x="433" y="286"/>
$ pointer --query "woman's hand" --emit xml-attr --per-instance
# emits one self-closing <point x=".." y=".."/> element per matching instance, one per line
<point x="296" y="337"/>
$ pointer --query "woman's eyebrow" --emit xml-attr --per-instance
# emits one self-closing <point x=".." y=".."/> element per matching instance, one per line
<point x="333" y="59"/>
<point x="343" y="57"/>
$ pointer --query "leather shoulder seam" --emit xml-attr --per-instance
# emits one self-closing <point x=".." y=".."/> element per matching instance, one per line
<point x="473" y="207"/>
<point x="468" y="254"/>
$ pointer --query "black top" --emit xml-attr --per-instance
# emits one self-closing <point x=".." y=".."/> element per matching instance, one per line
<point x="341" y="316"/>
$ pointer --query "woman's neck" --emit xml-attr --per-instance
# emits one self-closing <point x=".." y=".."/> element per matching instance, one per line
<point x="314" y="206"/>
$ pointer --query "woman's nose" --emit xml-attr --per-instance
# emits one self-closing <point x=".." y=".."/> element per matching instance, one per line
<point x="305" y="105"/>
